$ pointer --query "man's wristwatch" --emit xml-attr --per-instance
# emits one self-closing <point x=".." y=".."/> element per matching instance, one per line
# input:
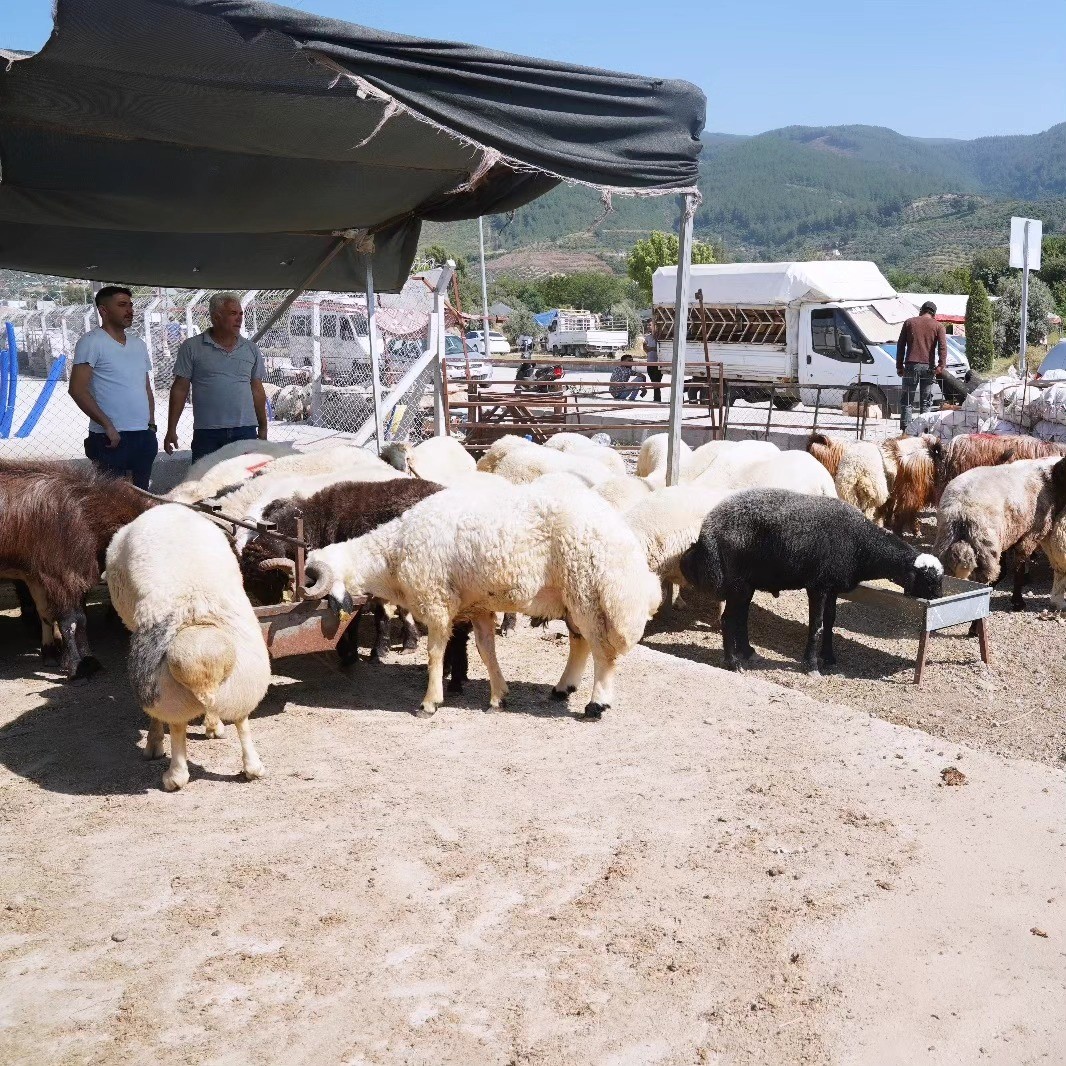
<point x="153" y="427"/>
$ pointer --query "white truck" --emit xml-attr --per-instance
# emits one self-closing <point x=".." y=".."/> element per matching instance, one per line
<point x="795" y="326"/>
<point x="573" y="332"/>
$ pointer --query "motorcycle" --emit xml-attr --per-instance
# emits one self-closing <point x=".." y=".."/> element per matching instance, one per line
<point x="531" y="378"/>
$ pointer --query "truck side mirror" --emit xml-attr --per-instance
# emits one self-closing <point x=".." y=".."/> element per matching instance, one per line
<point x="846" y="347"/>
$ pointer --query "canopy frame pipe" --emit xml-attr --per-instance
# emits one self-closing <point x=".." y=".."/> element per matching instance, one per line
<point x="343" y="239"/>
<point x="681" y="301"/>
<point x="374" y="340"/>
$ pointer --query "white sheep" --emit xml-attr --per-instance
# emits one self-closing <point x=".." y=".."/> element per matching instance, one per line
<point x="623" y="492"/>
<point x="284" y="476"/>
<point x="651" y="459"/>
<point x="196" y="646"/>
<point x="442" y="460"/>
<point x="797" y="471"/>
<point x="858" y="470"/>
<point x="223" y="475"/>
<point x="235" y="449"/>
<point x="651" y="463"/>
<point x="667" y="523"/>
<point x="463" y="555"/>
<point x="523" y="463"/>
<point x="579" y="444"/>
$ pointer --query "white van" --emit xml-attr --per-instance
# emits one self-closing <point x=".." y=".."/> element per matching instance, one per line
<point x="796" y="326"/>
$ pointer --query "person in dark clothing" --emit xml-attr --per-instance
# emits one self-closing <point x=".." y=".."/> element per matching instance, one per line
<point x="921" y="355"/>
<point x="651" y="354"/>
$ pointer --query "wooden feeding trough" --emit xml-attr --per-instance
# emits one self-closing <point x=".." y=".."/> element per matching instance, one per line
<point x="302" y="626"/>
<point x="963" y="601"/>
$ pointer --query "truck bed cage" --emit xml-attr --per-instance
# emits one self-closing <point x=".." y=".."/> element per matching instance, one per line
<point x="724" y="325"/>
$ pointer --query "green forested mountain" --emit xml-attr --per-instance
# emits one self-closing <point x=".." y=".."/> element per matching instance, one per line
<point x="804" y="190"/>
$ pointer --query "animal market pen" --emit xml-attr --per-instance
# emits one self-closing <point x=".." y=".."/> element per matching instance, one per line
<point x="201" y="144"/>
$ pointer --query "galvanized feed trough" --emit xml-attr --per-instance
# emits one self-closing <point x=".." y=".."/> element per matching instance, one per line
<point x="963" y="601"/>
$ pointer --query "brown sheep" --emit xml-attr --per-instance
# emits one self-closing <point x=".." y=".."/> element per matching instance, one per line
<point x="56" y="521"/>
<point x="971" y="450"/>
<point x="912" y="465"/>
<point x="988" y="511"/>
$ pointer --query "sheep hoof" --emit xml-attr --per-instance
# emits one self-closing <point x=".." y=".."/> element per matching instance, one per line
<point x="213" y="728"/>
<point x="736" y="666"/>
<point x="455" y="687"/>
<point x="410" y="642"/>
<point x="174" y="780"/>
<point x="254" y="770"/>
<point x="50" y="653"/>
<point x="153" y="751"/>
<point x="87" y="667"/>
<point x="425" y="710"/>
<point x="563" y="693"/>
<point x="594" y="711"/>
<point x="813" y="671"/>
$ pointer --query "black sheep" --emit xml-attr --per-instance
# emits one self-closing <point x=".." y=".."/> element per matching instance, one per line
<point x="771" y="539"/>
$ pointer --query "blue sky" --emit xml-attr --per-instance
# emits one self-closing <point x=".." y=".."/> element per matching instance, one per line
<point x="940" y="69"/>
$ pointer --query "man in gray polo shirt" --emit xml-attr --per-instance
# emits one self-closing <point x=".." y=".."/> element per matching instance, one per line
<point x="225" y="371"/>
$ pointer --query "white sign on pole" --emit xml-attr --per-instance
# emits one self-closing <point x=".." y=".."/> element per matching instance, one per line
<point x="1022" y="231"/>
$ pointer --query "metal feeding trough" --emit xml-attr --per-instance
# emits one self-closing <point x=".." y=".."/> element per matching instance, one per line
<point x="963" y="601"/>
<point x="304" y="625"/>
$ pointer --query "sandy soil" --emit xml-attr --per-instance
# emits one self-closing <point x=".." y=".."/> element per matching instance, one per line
<point x="1013" y="707"/>
<point x="722" y="870"/>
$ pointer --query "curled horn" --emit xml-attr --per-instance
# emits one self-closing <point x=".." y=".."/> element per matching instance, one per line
<point x="322" y="575"/>
<point x="279" y="563"/>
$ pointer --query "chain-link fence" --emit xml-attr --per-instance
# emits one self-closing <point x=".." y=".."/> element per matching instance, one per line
<point x="319" y="379"/>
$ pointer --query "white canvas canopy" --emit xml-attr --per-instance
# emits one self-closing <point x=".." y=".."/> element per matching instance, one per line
<point x="776" y="284"/>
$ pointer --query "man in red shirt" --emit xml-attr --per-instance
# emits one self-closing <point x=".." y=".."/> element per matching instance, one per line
<point x="921" y="354"/>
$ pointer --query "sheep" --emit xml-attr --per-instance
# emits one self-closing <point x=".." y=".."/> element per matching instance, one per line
<point x="988" y="511"/>
<point x="465" y="555"/>
<point x="237" y="449"/>
<point x="773" y="539"/>
<point x="624" y="492"/>
<point x="969" y="450"/>
<point x="911" y="466"/>
<point x="56" y="522"/>
<point x="741" y="469"/>
<point x="224" y="477"/>
<point x="651" y="458"/>
<point x="285" y="476"/>
<point x="196" y="646"/>
<point x="442" y="460"/>
<point x="697" y="463"/>
<point x="334" y="514"/>
<point x="523" y="463"/>
<point x="858" y="471"/>
<point x="579" y="444"/>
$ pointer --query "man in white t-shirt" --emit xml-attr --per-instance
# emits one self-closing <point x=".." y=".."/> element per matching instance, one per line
<point x="111" y="381"/>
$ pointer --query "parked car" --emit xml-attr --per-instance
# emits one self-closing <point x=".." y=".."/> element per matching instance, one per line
<point x="498" y="343"/>
<point x="455" y="360"/>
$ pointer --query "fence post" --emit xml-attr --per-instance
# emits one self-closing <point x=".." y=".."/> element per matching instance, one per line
<point x="190" y="325"/>
<point x="248" y="299"/>
<point x="148" y="312"/>
<point x="438" y="342"/>
<point x="375" y="355"/>
<point x="677" y="378"/>
<point x="316" y="359"/>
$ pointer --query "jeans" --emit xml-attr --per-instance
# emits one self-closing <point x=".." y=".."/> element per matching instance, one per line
<point x="918" y="377"/>
<point x="206" y="441"/>
<point x="627" y="394"/>
<point x="656" y="375"/>
<point x="134" y="454"/>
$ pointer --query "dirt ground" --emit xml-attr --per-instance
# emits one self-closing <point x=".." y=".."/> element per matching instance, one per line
<point x="1014" y="706"/>
<point x="722" y="870"/>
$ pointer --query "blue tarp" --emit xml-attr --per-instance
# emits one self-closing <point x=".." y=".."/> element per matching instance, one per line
<point x="546" y="318"/>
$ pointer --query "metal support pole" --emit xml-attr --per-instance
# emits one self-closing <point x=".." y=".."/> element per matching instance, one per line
<point x="438" y="338"/>
<point x="486" y="348"/>
<point x="375" y="356"/>
<point x="316" y="360"/>
<point x="331" y="254"/>
<point x="677" y="377"/>
<point x="1023" y="354"/>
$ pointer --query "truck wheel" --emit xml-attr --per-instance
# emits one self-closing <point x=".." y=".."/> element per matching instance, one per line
<point x="785" y="403"/>
<point x="872" y="394"/>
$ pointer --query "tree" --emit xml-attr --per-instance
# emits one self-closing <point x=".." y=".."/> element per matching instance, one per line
<point x="658" y="250"/>
<point x="1008" y="313"/>
<point x="520" y="321"/>
<point x="627" y="311"/>
<point x="980" y="348"/>
<point x="588" y="291"/>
